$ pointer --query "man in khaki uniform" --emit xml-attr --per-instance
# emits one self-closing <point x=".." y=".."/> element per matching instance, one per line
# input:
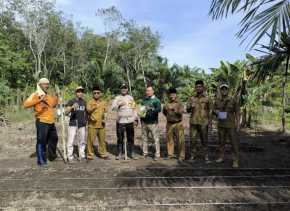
<point x="173" y="112"/>
<point x="200" y="107"/>
<point x="97" y="109"/>
<point x="227" y="110"/>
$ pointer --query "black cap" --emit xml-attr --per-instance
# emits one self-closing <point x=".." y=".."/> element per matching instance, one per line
<point x="96" y="88"/>
<point x="124" y="86"/>
<point x="199" y="82"/>
<point x="172" y="90"/>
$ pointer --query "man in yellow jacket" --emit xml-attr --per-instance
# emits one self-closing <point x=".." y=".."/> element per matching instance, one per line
<point x="44" y="107"/>
<point x="97" y="110"/>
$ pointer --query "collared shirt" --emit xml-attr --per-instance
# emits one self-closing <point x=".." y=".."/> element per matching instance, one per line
<point x="125" y="113"/>
<point x="44" y="110"/>
<point x="97" y="113"/>
<point x="231" y="107"/>
<point x="173" y="111"/>
<point x="153" y="107"/>
<point x="200" y="107"/>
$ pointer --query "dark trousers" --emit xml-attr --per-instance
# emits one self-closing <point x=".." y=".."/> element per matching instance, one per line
<point x="46" y="136"/>
<point x="123" y="128"/>
<point x="200" y="131"/>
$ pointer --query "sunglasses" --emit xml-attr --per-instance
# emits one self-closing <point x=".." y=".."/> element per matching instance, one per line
<point x="95" y="93"/>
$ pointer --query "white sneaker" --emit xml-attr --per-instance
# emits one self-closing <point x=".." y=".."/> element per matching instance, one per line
<point x="220" y="160"/>
<point x="206" y="159"/>
<point x="236" y="164"/>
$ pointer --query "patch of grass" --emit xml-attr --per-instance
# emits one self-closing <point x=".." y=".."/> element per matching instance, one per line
<point x="273" y="118"/>
<point x="20" y="115"/>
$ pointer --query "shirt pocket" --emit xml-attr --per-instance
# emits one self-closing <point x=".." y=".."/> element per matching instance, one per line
<point x="204" y="104"/>
<point x="231" y="107"/>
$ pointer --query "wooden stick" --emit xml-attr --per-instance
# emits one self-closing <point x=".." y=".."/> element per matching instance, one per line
<point x="62" y="123"/>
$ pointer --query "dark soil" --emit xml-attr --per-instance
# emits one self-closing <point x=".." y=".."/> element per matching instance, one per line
<point x="261" y="183"/>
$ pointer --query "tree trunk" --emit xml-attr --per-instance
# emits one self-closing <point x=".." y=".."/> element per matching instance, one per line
<point x="64" y="66"/>
<point x="107" y="52"/>
<point x="284" y="96"/>
<point x="33" y="53"/>
<point x="38" y="65"/>
<point x="249" y="121"/>
<point x="144" y="78"/>
<point x="129" y="80"/>
<point x="244" y="117"/>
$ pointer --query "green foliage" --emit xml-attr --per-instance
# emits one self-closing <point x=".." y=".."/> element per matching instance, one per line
<point x="4" y="92"/>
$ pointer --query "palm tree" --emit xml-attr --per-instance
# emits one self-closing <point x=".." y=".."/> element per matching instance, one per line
<point x="270" y="64"/>
<point x="260" y="17"/>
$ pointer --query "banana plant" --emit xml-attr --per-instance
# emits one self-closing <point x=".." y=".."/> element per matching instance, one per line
<point x="276" y="59"/>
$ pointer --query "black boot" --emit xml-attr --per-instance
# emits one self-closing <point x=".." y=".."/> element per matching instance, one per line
<point x="131" y="154"/>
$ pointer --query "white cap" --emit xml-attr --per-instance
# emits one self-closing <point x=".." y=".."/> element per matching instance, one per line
<point x="224" y="85"/>
<point x="43" y="81"/>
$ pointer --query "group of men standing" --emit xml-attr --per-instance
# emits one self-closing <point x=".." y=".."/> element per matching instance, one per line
<point x="88" y="121"/>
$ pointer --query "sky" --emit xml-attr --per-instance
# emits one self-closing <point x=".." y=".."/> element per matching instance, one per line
<point x="188" y="35"/>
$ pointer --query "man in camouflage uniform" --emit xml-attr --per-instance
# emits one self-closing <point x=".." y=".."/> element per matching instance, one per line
<point x="227" y="110"/>
<point x="97" y="110"/>
<point x="173" y="112"/>
<point x="200" y="107"/>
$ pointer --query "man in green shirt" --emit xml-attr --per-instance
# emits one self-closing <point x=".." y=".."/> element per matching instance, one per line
<point x="151" y="107"/>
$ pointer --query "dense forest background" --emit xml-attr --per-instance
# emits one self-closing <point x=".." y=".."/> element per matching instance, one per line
<point x="37" y="40"/>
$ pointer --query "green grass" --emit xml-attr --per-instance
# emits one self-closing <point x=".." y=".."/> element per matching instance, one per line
<point x="20" y="115"/>
<point x="273" y="118"/>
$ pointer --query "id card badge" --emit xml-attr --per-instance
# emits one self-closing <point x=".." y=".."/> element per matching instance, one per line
<point x="222" y="115"/>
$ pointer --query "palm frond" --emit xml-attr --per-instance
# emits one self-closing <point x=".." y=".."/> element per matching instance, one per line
<point x="267" y="66"/>
<point x="261" y="17"/>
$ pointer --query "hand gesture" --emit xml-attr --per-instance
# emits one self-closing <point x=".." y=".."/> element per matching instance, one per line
<point x="123" y="103"/>
<point x="75" y="106"/>
<point x="149" y="108"/>
<point x="136" y="122"/>
<point x="193" y="104"/>
<point x="42" y="98"/>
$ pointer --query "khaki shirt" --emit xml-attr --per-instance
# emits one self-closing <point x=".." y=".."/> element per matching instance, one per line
<point x="231" y="107"/>
<point x="200" y="108"/>
<point x="173" y="111"/>
<point x="97" y="113"/>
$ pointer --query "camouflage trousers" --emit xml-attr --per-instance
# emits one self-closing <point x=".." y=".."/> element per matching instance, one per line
<point x="175" y="130"/>
<point x="150" y="133"/>
<point x="223" y="134"/>
<point x="92" y="134"/>
<point x="201" y="132"/>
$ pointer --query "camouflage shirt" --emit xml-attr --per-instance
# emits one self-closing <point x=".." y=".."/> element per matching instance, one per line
<point x="97" y="113"/>
<point x="229" y="106"/>
<point x="173" y="111"/>
<point x="200" y="108"/>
